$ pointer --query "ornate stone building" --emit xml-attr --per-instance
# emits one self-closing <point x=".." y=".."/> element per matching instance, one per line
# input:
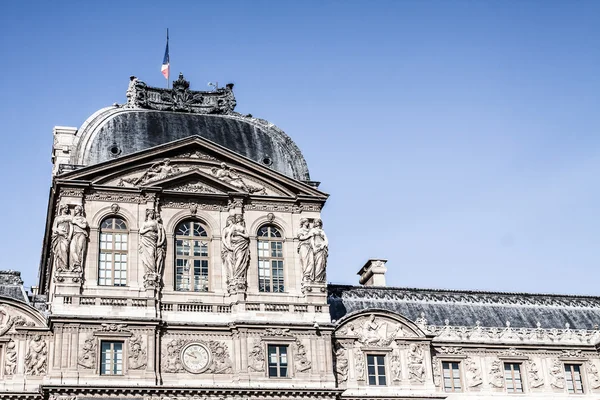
<point x="184" y="258"/>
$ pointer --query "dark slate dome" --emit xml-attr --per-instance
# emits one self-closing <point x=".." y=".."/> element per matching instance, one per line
<point x="145" y="122"/>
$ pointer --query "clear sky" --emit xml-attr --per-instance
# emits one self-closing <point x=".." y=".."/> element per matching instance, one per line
<point x="458" y="139"/>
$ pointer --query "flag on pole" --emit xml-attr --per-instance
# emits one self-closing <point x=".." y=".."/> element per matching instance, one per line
<point x="165" y="65"/>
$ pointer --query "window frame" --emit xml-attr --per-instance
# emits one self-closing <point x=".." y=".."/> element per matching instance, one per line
<point x="269" y="282"/>
<point x="572" y="366"/>
<point x="376" y="366"/>
<point x="190" y="258"/>
<point x="511" y="383"/>
<point x="277" y="365"/>
<point x="459" y="368"/>
<point x="113" y="251"/>
<point x="113" y="354"/>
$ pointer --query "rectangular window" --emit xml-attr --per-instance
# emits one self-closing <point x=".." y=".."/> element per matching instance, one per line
<point x="278" y="361"/>
<point x="270" y="266"/>
<point x="376" y="369"/>
<point x="451" y="376"/>
<point x="111" y="362"/>
<point x="573" y="377"/>
<point x="512" y="376"/>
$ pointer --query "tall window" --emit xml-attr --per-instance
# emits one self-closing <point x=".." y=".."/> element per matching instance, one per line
<point x="191" y="252"/>
<point x="376" y="369"/>
<point x="451" y="376"/>
<point x="512" y="376"/>
<point x="112" y="267"/>
<point x="111" y="361"/>
<point x="270" y="260"/>
<point x="278" y="361"/>
<point x="573" y="377"/>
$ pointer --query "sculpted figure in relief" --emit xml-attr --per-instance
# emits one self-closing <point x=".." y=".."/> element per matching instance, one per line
<point x="87" y="359"/>
<point x="341" y="365"/>
<point x="396" y="367"/>
<point x="557" y="378"/>
<point x="61" y="236"/>
<point x="535" y="379"/>
<point x="161" y="247"/>
<point x="256" y="359"/>
<point x="593" y="376"/>
<point x="301" y="362"/>
<point x="496" y="375"/>
<point x="221" y="363"/>
<point x="149" y="234"/>
<point x="359" y="361"/>
<point x="35" y="360"/>
<point x="473" y="373"/>
<point x="240" y="245"/>
<point x="228" y="175"/>
<point x="159" y="170"/>
<point x="305" y="251"/>
<point x="227" y="251"/>
<point x="320" y="248"/>
<point x="79" y="240"/>
<point x="137" y="355"/>
<point x="416" y="369"/>
<point x="10" y="364"/>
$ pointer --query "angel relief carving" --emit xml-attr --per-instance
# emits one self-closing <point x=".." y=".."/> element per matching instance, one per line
<point x="9" y="319"/>
<point x="157" y="171"/>
<point x="230" y="176"/>
<point x="373" y="331"/>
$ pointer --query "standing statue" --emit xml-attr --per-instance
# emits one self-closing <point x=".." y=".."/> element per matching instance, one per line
<point x="161" y="247"/>
<point x="147" y="248"/>
<point x="227" y="250"/>
<point x="320" y="248"/>
<point x="305" y="251"/>
<point x="240" y="244"/>
<point x="61" y="236"/>
<point x="79" y="240"/>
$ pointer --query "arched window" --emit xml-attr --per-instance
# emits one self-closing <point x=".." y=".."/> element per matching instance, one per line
<point x="112" y="267"/>
<point x="270" y="260"/>
<point x="191" y="252"/>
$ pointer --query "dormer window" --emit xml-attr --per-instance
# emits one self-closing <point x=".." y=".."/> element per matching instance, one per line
<point x="270" y="259"/>
<point x="191" y="257"/>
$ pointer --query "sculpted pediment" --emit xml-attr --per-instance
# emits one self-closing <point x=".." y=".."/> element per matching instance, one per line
<point x="218" y="170"/>
<point x="377" y="329"/>
<point x="13" y="316"/>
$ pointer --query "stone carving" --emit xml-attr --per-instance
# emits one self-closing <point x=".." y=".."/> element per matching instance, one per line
<point x="396" y="367"/>
<point x="152" y="235"/>
<point x="557" y="377"/>
<point x="194" y="187"/>
<point x="36" y="358"/>
<point x="10" y="363"/>
<point x="87" y="359"/>
<point x="533" y="373"/>
<point x="180" y="98"/>
<point x="320" y="248"/>
<point x="235" y="253"/>
<point x="496" y="375"/>
<point x="61" y="236"/>
<point x="277" y="332"/>
<point x="157" y="171"/>
<point x="593" y="377"/>
<point x="8" y="321"/>
<point x="512" y="352"/>
<point x="473" y="374"/>
<point x="230" y="176"/>
<point x="572" y="353"/>
<point x="115" y="208"/>
<point x="416" y="368"/>
<point x="341" y="364"/>
<point x="359" y="361"/>
<point x="437" y="375"/>
<point x="161" y="248"/>
<point x="197" y="155"/>
<point x="301" y="362"/>
<point x="173" y="360"/>
<point x="305" y="251"/>
<point x="374" y="332"/>
<point x="79" y="240"/>
<point x="256" y="359"/>
<point x="137" y="355"/>
<point x="10" y="277"/>
<point x="450" y="350"/>
<point x="221" y="362"/>
<point x="111" y="327"/>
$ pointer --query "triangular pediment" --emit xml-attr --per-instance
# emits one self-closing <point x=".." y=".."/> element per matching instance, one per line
<point x="201" y="166"/>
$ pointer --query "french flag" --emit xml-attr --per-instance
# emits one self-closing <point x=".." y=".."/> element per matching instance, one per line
<point x="164" y="69"/>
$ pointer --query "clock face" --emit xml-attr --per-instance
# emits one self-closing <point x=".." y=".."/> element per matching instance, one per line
<point x="195" y="357"/>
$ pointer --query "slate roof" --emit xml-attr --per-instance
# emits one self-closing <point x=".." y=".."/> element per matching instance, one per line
<point x="11" y="286"/>
<point x="465" y="308"/>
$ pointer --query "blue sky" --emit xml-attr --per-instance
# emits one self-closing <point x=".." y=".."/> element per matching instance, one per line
<point x="458" y="139"/>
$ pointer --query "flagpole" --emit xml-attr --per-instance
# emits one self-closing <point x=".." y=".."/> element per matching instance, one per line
<point x="169" y="74"/>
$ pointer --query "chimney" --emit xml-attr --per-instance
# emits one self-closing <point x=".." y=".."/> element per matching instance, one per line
<point x="373" y="273"/>
<point x="35" y="290"/>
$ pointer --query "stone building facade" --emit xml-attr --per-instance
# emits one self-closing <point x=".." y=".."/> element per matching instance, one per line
<point x="185" y="258"/>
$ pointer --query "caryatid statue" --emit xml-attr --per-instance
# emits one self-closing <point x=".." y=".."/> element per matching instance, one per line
<point x="320" y="248"/>
<point x="227" y="250"/>
<point x="149" y="235"/>
<point x="79" y="240"/>
<point x="240" y="245"/>
<point x="61" y="237"/>
<point x="305" y="251"/>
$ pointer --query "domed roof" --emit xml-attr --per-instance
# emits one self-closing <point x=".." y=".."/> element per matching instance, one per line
<point x="154" y="116"/>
